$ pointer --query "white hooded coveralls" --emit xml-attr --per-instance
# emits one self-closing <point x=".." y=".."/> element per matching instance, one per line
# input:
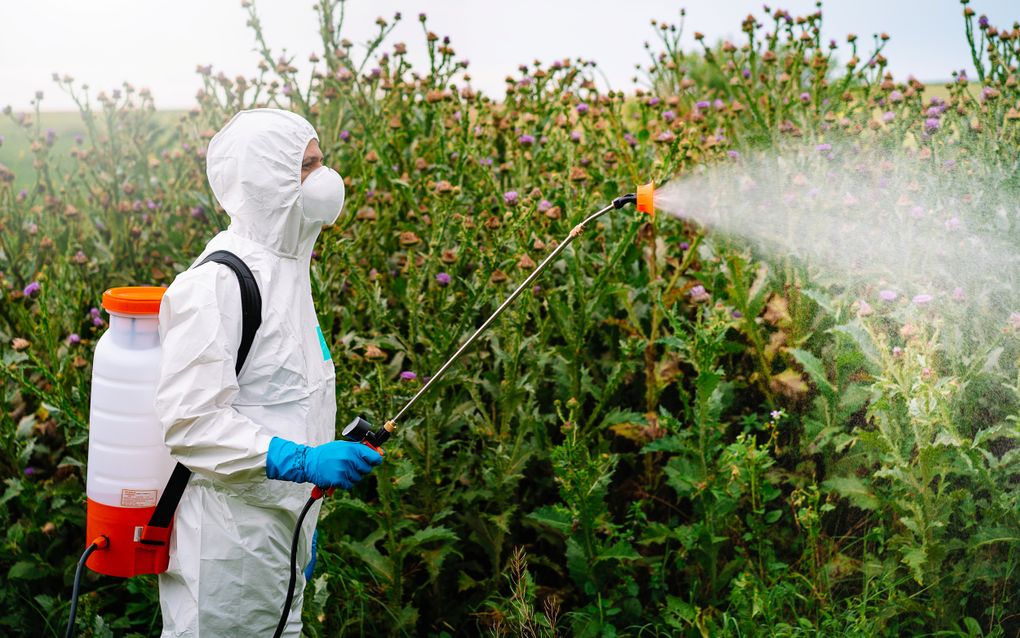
<point x="230" y="545"/>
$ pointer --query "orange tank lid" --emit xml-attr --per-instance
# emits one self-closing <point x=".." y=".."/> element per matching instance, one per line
<point x="134" y="300"/>
<point x="646" y="199"/>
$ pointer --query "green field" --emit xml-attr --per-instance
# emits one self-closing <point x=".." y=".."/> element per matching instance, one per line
<point x="15" y="153"/>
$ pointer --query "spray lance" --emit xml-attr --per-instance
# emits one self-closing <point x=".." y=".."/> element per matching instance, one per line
<point x="361" y="431"/>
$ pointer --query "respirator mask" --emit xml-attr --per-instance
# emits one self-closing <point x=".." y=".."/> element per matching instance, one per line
<point x="322" y="196"/>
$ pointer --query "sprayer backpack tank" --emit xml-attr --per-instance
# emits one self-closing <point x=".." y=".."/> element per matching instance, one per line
<point x="133" y="485"/>
<point x="128" y="463"/>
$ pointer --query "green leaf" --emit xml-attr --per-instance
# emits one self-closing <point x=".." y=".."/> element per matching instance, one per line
<point x="856" y="332"/>
<point x="403" y="476"/>
<point x="578" y="563"/>
<point x="991" y="363"/>
<point x="854" y="489"/>
<point x="429" y="535"/>
<point x="380" y="565"/>
<point x="14" y="488"/>
<point x="815" y="370"/>
<point x="554" y="517"/>
<point x="621" y="550"/>
<point x="915" y="559"/>
<point x="24" y="570"/>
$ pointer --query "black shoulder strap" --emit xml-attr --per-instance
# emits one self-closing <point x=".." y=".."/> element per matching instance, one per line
<point x="157" y="531"/>
<point x="251" y="301"/>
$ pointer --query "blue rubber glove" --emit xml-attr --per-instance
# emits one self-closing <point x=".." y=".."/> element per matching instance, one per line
<point x="310" y="568"/>
<point x="334" y="464"/>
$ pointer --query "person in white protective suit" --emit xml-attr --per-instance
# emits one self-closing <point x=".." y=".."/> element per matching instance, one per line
<point x="256" y="441"/>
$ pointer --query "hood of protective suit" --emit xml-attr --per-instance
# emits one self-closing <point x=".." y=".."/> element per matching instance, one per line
<point x="254" y="168"/>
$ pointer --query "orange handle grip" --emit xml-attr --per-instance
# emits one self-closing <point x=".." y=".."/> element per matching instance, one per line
<point x="376" y="449"/>
<point x="318" y="492"/>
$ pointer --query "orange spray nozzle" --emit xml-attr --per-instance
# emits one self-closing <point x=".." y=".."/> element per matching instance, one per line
<point x="646" y="199"/>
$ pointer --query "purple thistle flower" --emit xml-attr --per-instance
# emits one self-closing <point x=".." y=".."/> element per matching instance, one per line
<point x="887" y="295"/>
<point x="718" y="104"/>
<point x="73" y="339"/>
<point x="933" y="111"/>
<point x="22" y="195"/>
<point x="823" y="147"/>
<point x="805" y="97"/>
<point x="32" y="290"/>
<point x="510" y="197"/>
<point x="922" y="299"/>
<point x="407" y="375"/>
<point x="443" y="279"/>
<point x="582" y="108"/>
<point x="345" y="135"/>
<point x="526" y="140"/>
<point x="958" y="294"/>
<point x="575" y="136"/>
<point x="97" y="322"/>
<point x="733" y="154"/>
<point x="983" y="22"/>
<point x="653" y="101"/>
<point x="544" y="205"/>
<point x="895" y="96"/>
<point x="150" y="204"/>
<point x="698" y="293"/>
<point x="736" y="314"/>
<point x="953" y="223"/>
<point x="630" y="139"/>
<point x="29" y="471"/>
<point x="669" y="116"/>
<point x="931" y="124"/>
<point x="684" y="246"/>
<point x="746" y="73"/>
<point x="888" y="117"/>
<point x="702" y="104"/>
<point x="917" y="212"/>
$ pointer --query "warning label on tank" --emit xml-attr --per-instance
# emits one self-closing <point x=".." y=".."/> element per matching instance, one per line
<point x="138" y="498"/>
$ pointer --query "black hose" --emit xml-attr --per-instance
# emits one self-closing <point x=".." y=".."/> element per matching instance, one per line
<point x="74" y="590"/>
<point x="293" y="569"/>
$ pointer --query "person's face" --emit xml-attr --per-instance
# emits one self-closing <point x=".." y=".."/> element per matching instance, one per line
<point x="312" y="159"/>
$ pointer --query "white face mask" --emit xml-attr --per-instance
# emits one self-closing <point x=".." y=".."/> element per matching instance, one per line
<point x="322" y="196"/>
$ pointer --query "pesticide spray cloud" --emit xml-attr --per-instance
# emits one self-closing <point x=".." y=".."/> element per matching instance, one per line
<point x="936" y="237"/>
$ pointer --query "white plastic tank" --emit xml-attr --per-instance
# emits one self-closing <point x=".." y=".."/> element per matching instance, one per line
<point x="128" y="462"/>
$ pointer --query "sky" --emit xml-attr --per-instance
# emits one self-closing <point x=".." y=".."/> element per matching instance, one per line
<point x="158" y="43"/>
